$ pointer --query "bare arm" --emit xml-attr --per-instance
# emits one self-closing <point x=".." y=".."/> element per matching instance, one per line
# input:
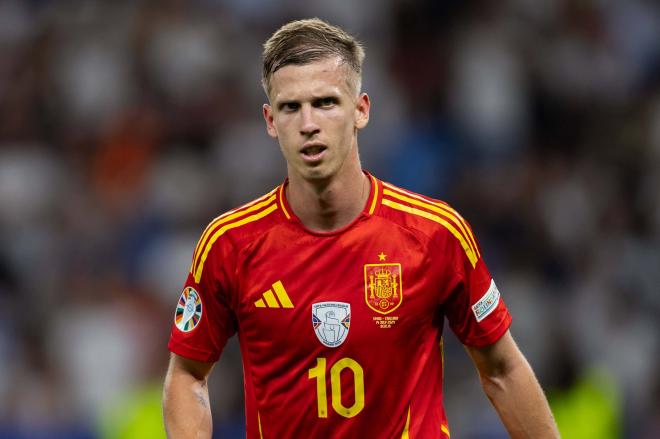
<point x="511" y="386"/>
<point x="186" y="407"/>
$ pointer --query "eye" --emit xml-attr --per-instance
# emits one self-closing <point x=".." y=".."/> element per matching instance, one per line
<point x="289" y="107"/>
<point x="326" y="102"/>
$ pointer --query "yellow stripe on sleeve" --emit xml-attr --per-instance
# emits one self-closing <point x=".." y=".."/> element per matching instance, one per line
<point x="445" y="207"/>
<point x="212" y="224"/>
<point x="442" y="210"/>
<point x="468" y="250"/>
<point x="200" y="266"/>
<point x="225" y="218"/>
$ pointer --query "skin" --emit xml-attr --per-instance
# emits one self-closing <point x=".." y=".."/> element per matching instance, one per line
<point x="186" y="407"/>
<point x="510" y="384"/>
<point x="316" y="105"/>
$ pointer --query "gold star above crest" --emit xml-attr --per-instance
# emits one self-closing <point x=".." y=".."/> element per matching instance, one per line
<point x="382" y="256"/>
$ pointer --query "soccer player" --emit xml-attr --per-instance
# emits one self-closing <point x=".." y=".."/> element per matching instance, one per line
<point x="338" y="283"/>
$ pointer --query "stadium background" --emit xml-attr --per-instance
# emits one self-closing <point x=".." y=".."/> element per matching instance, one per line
<point x="125" y="126"/>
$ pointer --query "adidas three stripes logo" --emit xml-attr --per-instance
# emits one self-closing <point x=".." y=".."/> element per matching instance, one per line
<point x="278" y="299"/>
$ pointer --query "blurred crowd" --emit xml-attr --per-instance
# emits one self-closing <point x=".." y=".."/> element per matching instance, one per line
<point x="125" y="126"/>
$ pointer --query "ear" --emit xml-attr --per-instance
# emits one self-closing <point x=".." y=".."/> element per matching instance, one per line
<point x="362" y="108"/>
<point x="268" y="117"/>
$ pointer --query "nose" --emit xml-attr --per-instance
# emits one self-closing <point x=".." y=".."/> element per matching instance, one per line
<point x="308" y="125"/>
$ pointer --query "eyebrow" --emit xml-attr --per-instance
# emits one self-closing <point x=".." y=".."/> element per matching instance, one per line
<point x="332" y="94"/>
<point x="332" y="97"/>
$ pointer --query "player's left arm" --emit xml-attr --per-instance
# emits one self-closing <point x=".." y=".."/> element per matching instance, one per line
<point x="510" y="384"/>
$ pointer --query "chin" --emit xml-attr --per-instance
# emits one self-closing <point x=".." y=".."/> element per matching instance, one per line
<point x="316" y="174"/>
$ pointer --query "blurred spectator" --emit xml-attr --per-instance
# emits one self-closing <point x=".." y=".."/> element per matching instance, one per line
<point x="126" y="126"/>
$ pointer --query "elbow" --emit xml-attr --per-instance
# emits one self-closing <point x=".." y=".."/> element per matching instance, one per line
<point x="497" y="378"/>
<point x="493" y="384"/>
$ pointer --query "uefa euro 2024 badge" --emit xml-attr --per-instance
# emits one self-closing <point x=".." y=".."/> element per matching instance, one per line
<point x="188" y="310"/>
<point x="331" y="321"/>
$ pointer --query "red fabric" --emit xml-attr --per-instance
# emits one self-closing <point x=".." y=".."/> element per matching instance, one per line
<point x="401" y="364"/>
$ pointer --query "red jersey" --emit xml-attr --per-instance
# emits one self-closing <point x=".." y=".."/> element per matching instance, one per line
<point x="340" y="332"/>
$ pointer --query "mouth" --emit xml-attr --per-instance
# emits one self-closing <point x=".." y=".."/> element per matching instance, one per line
<point x="313" y="152"/>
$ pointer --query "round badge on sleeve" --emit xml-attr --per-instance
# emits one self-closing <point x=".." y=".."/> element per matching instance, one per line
<point x="188" y="310"/>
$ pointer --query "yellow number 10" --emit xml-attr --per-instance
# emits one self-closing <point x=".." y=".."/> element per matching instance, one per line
<point x="318" y="372"/>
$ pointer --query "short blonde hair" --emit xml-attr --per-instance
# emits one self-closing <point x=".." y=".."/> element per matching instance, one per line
<point x="306" y="41"/>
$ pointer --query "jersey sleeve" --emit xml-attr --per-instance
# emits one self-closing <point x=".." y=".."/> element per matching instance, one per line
<point x="204" y="320"/>
<point x="473" y="306"/>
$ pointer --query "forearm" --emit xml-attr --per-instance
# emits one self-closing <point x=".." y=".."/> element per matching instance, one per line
<point x="186" y="407"/>
<point x="520" y="402"/>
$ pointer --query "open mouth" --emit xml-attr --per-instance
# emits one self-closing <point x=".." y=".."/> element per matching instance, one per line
<point x="313" y="152"/>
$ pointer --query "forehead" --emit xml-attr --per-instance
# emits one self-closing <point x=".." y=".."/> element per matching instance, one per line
<point x="319" y="77"/>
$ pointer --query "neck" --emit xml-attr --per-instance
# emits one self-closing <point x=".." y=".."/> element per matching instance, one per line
<point x="329" y="205"/>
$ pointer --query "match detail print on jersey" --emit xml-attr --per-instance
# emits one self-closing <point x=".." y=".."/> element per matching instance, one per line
<point x="188" y="310"/>
<point x="331" y="322"/>
<point x="438" y="212"/>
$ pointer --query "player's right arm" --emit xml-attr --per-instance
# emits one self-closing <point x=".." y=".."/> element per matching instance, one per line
<point x="186" y="407"/>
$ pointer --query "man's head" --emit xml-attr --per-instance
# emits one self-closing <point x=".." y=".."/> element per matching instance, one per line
<point x="312" y="79"/>
<point x="306" y="41"/>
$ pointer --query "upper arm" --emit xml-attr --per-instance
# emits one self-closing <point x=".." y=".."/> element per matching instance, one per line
<point x="186" y="407"/>
<point x="204" y="319"/>
<point x="199" y="370"/>
<point x="496" y="359"/>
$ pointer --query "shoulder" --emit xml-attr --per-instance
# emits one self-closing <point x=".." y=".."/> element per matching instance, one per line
<point x="418" y="211"/>
<point x="433" y="218"/>
<point x="237" y="228"/>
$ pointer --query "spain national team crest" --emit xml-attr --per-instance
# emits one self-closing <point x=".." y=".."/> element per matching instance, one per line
<point x="188" y="310"/>
<point x="331" y="321"/>
<point x="383" y="288"/>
